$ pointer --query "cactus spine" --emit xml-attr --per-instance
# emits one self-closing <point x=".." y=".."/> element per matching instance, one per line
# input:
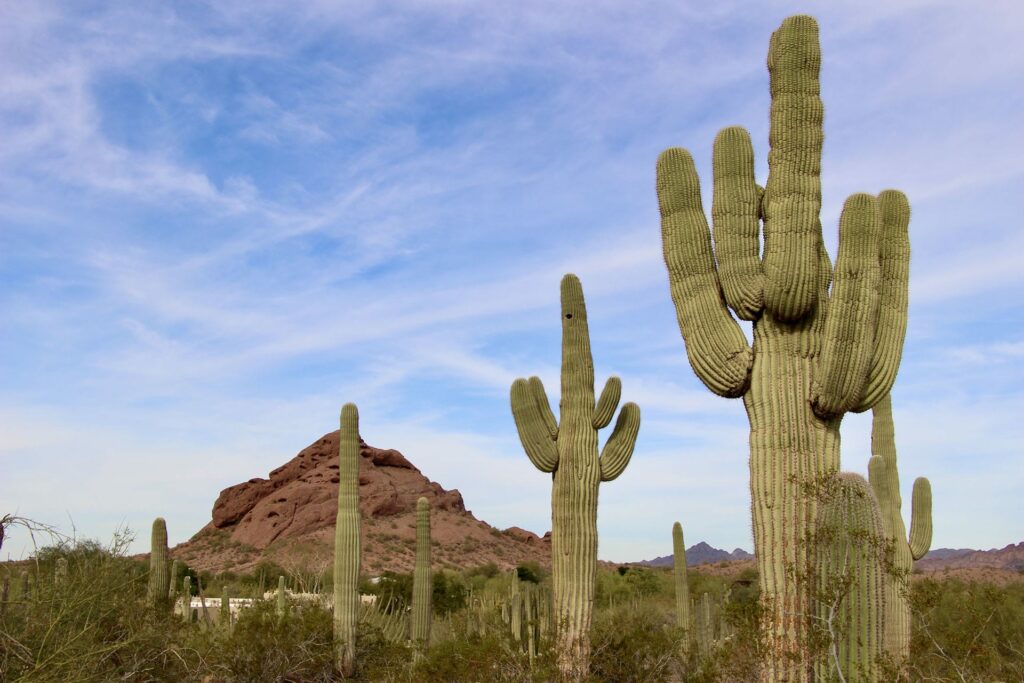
<point x="159" y="581"/>
<point x="682" y="586"/>
<point x="568" y="449"/>
<point x="815" y="355"/>
<point x="885" y="480"/>
<point x="422" y="583"/>
<point x="851" y="582"/>
<point x="346" y="543"/>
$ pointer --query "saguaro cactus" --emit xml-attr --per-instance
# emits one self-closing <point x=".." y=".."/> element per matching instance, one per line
<point x="224" y="615"/>
<point x="159" y="581"/>
<point x="186" y="598"/>
<point x="850" y="579"/>
<point x="60" y="572"/>
<point x="422" y="583"/>
<point x="682" y="586"/>
<point x="568" y="449"/>
<point x="885" y="480"/>
<point x="282" y="599"/>
<point x="816" y="354"/>
<point x="346" y="543"/>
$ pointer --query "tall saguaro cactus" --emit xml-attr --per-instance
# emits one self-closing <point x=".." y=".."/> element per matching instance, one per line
<point x="422" y="581"/>
<point x="568" y="449"/>
<point x="159" y="579"/>
<point x="816" y="353"/>
<point x="346" y="543"/>
<point x="850" y="578"/>
<point x="885" y="480"/>
<point x="682" y="586"/>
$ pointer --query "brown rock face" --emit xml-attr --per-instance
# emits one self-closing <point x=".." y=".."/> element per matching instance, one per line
<point x="292" y="513"/>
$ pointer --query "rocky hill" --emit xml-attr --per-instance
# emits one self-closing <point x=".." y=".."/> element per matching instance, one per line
<point x="701" y="553"/>
<point x="1010" y="558"/>
<point x="289" y="518"/>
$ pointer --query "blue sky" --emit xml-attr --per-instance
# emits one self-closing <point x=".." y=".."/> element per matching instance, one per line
<point x="222" y="221"/>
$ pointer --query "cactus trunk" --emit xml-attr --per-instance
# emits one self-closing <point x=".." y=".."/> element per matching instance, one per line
<point x="569" y="449"/>
<point x="159" y="580"/>
<point x="885" y="482"/>
<point x="346" y="544"/>
<point x="422" y="582"/>
<point x="851" y="586"/>
<point x="682" y="587"/>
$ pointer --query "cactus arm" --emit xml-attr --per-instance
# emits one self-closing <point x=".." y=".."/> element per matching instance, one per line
<point x="577" y="359"/>
<point x="619" y="449"/>
<point x="853" y="311"/>
<point x="792" y="197"/>
<point x="608" y="402"/>
<point x="735" y="214"/>
<point x="921" y="518"/>
<point x="541" y="397"/>
<point x="533" y="428"/>
<point x="891" y="328"/>
<point x="719" y="353"/>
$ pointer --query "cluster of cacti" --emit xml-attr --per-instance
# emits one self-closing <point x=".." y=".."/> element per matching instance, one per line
<point x="159" y="581"/>
<point x="885" y="481"/>
<point x="346" y="543"/>
<point x="682" y="586"/>
<point x="850" y="544"/>
<point x="527" y="614"/>
<point x="568" y="450"/>
<point x="422" y="582"/>
<point x="816" y="353"/>
<point x="390" y="623"/>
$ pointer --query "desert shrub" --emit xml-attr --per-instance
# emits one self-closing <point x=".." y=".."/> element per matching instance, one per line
<point x="493" y="658"/>
<point x="634" y="644"/>
<point x="95" y="625"/>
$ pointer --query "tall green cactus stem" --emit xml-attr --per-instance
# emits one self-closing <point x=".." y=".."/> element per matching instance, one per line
<point x="850" y="577"/>
<point x="186" y="598"/>
<point x="516" y="608"/>
<point x="346" y="544"/>
<point x="224" y="616"/>
<point x="282" y="599"/>
<point x="159" y="580"/>
<point x="682" y="586"/>
<point x="422" y="582"/>
<point x="568" y="449"/>
<point x="172" y="582"/>
<point x="885" y="480"/>
<point x="816" y="354"/>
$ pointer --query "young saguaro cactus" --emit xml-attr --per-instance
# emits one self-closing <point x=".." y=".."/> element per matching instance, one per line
<point x="816" y="354"/>
<point x="885" y="480"/>
<point x="346" y="544"/>
<point x="159" y="579"/>
<point x="282" y="599"/>
<point x="850" y="579"/>
<point x="422" y="582"/>
<point x="682" y="586"/>
<point x="186" y="598"/>
<point x="568" y="449"/>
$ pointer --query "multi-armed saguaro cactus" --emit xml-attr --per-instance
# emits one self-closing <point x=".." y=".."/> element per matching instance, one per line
<point x="682" y="586"/>
<point x="422" y="583"/>
<point x="159" y="580"/>
<point x="885" y="480"/>
<point x="346" y="543"/>
<point x="850" y="543"/>
<point x="568" y="449"/>
<point x="816" y="353"/>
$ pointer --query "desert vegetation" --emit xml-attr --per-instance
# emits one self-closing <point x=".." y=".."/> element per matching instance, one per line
<point x="833" y="597"/>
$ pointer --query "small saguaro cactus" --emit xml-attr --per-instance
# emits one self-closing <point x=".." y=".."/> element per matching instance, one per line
<point x="885" y="480"/>
<point x="568" y="449"/>
<point x="159" y="581"/>
<point x="682" y="586"/>
<point x="186" y="598"/>
<point x="5" y="593"/>
<point x="282" y="599"/>
<point x="60" y="572"/>
<point x="172" y="581"/>
<point x="26" y="587"/>
<point x="224" y="616"/>
<point x="817" y="353"/>
<point x="422" y="582"/>
<point x="850" y="549"/>
<point x="346" y="544"/>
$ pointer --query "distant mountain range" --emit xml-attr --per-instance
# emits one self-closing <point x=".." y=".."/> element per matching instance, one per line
<point x="702" y="553"/>
<point x="1010" y="558"/>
